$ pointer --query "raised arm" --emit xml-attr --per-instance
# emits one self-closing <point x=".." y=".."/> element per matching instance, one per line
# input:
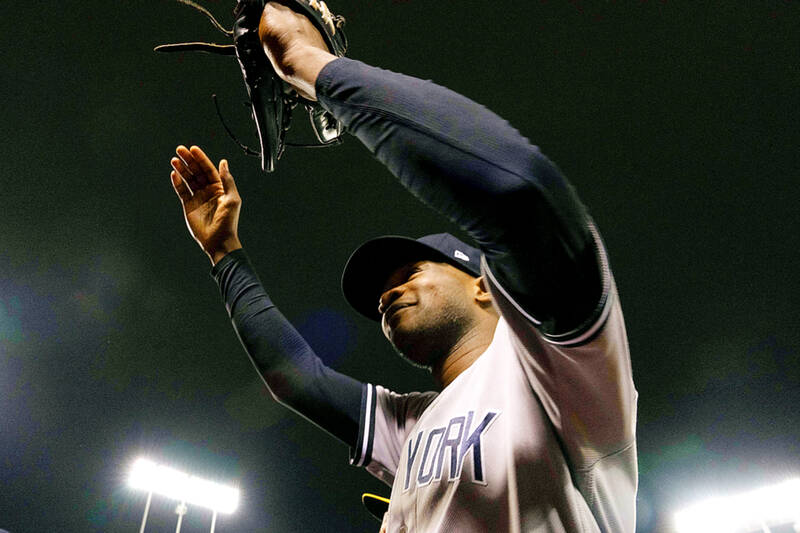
<point x="294" y="375"/>
<point x="464" y="161"/>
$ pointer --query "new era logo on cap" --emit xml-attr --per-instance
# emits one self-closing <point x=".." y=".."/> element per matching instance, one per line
<point x="458" y="254"/>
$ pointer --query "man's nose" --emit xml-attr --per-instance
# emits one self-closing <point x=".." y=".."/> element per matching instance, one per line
<point x="387" y="298"/>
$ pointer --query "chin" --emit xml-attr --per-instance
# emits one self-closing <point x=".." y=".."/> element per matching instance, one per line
<point x="416" y="348"/>
<point x="425" y="339"/>
<point x="417" y="360"/>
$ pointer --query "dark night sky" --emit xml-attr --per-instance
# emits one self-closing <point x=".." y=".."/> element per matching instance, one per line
<point x="676" y="122"/>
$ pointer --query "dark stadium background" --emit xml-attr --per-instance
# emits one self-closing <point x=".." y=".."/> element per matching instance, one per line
<point x="676" y="121"/>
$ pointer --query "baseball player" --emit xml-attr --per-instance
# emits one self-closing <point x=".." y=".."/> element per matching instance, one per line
<point x="533" y="427"/>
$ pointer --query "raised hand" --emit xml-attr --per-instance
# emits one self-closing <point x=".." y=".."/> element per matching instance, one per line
<point x="210" y="201"/>
<point x="294" y="46"/>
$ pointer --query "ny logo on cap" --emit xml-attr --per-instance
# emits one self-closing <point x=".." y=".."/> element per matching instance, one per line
<point x="461" y="255"/>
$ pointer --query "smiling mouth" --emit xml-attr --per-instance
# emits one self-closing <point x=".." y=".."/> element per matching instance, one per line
<point x="393" y="310"/>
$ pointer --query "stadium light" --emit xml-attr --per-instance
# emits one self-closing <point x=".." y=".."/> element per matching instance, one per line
<point x="756" y="510"/>
<point x="185" y="488"/>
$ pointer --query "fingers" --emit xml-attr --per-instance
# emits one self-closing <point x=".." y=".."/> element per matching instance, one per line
<point x="197" y="170"/>
<point x="228" y="184"/>
<point x="193" y="170"/>
<point x="181" y="189"/>
<point x="205" y="165"/>
<point x="184" y="182"/>
<point x="183" y="171"/>
<point x="189" y="168"/>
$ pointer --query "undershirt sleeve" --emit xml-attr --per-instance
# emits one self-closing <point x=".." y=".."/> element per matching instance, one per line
<point x="475" y="168"/>
<point x="290" y="369"/>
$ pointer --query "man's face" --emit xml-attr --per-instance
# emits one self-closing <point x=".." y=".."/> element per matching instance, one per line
<point x="426" y="307"/>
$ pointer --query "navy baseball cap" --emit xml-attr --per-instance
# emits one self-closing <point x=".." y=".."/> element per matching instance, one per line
<point x="374" y="261"/>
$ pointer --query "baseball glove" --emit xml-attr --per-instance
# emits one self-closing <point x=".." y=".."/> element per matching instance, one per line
<point x="271" y="100"/>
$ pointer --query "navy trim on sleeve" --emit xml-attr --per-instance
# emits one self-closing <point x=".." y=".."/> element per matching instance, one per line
<point x="361" y="454"/>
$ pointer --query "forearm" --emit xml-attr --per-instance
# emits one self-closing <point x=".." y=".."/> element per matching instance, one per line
<point x="294" y="375"/>
<point x="480" y="172"/>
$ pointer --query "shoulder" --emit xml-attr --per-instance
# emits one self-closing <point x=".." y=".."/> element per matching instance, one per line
<point x="519" y="318"/>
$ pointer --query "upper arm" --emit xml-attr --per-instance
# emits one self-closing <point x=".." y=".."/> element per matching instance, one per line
<point x="584" y="383"/>
<point x="548" y="255"/>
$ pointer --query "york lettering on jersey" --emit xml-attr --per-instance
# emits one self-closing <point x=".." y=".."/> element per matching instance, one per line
<point x="433" y="448"/>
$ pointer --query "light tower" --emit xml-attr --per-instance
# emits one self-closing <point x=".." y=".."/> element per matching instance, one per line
<point x="185" y="488"/>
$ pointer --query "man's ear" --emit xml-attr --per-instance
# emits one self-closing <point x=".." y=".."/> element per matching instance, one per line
<point x="482" y="295"/>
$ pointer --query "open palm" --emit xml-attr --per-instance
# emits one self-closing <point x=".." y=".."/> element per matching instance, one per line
<point x="210" y="201"/>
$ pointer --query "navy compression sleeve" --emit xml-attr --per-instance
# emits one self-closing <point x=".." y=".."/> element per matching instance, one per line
<point x="472" y="166"/>
<point x="294" y="375"/>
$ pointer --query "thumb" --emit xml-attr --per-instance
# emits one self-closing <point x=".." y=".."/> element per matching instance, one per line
<point x="228" y="183"/>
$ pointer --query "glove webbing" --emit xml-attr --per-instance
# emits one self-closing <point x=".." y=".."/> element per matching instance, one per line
<point x="290" y="99"/>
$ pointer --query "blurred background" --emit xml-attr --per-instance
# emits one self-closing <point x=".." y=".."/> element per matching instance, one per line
<point x="676" y="122"/>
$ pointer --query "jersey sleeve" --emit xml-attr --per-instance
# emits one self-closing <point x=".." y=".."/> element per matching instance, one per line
<point x="386" y="420"/>
<point x="583" y="378"/>
<point x="583" y="381"/>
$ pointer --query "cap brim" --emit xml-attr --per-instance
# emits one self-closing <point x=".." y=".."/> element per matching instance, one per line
<point x="376" y="505"/>
<point x="373" y="262"/>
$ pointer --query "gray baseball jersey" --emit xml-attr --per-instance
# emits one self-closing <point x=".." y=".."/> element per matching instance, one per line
<point x="538" y="435"/>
